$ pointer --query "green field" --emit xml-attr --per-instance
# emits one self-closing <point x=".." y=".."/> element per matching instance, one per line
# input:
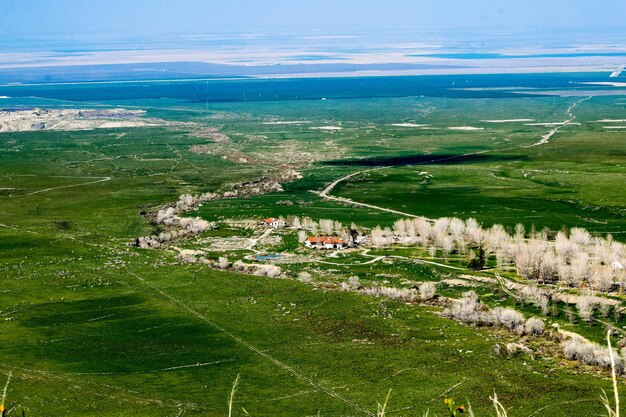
<point x="91" y="327"/>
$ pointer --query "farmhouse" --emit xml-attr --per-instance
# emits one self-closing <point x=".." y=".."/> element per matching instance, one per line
<point x="275" y="223"/>
<point x="325" y="242"/>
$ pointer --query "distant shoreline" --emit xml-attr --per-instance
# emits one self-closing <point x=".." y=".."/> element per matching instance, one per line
<point x="353" y="74"/>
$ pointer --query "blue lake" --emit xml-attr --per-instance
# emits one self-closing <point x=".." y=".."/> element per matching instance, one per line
<point x="257" y="90"/>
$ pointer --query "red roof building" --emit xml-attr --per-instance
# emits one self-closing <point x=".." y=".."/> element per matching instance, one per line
<point x="275" y="223"/>
<point x="325" y="242"/>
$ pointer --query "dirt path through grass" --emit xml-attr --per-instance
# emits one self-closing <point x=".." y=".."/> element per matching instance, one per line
<point x="102" y="179"/>
<point x="325" y="193"/>
<point x="255" y="241"/>
<point x="546" y="138"/>
<point x="254" y="349"/>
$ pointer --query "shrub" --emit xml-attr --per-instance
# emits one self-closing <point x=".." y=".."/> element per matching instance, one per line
<point x="534" y="326"/>
<point x="240" y="266"/>
<point x="514" y="348"/>
<point x="354" y="282"/>
<point x="467" y="310"/>
<point x="477" y="262"/>
<point x="305" y="277"/>
<point x="222" y="262"/>
<point x="271" y="271"/>
<point x="427" y="290"/>
<point x="186" y="255"/>
<point x="509" y="318"/>
<point x="398" y="294"/>
<point x="590" y="353"/>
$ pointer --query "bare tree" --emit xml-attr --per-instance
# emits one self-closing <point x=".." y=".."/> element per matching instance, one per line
<point x="326" y="226"/>
<point x="302" y="236"/>
<point x="585" y="308"/>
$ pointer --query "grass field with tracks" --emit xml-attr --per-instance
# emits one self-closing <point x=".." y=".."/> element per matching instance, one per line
<point x="90" y="326"/>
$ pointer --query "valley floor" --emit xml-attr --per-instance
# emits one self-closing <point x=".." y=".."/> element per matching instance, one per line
<point x="93" y="325"/>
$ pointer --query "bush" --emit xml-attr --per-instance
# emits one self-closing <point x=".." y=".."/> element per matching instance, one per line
<point x="353" y="284"/>
<point x="477" y="262"/>
<point x="398" y="294"/>
<point x="534" y="326"/>
<point x="222" y="262"/>
<point x="468" y="310"/>
<point x="187" y="255"/>
<point x="590" y="353"/>
<point x="305" y="277"/>
<point x="271" y="271"/>
<point x="240" y="266"/>
<point x="509" y="318"/>
<point x="427" y="291"/>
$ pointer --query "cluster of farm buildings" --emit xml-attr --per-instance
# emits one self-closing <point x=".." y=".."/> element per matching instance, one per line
<point x="315" y="242"/>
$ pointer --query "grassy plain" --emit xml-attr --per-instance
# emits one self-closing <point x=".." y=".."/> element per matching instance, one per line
<point x="92" y="327"/>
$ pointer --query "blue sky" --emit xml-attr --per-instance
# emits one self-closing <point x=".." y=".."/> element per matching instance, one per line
<point x="98" y="19"/>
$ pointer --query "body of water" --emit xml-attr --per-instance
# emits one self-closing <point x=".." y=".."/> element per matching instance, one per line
<point x="252" y="90"/>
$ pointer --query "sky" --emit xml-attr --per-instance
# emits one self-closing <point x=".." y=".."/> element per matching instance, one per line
<point x="98" y="19"/>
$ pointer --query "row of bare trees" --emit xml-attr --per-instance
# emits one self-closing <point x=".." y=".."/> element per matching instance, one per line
<point x="576" y="258"/>
<point x="178" y="227"/>
<point x="268" y="270"/>
<point x="468" y="309"/>
<point x="328" y="227"/>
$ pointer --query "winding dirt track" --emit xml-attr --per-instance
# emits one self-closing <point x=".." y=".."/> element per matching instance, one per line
<point x="325" y="193"/>
<point x="546" y="138"/>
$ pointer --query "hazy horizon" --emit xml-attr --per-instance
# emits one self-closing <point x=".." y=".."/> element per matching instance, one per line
<point x="194" y="38"/>
<point x="142" y="23"/>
